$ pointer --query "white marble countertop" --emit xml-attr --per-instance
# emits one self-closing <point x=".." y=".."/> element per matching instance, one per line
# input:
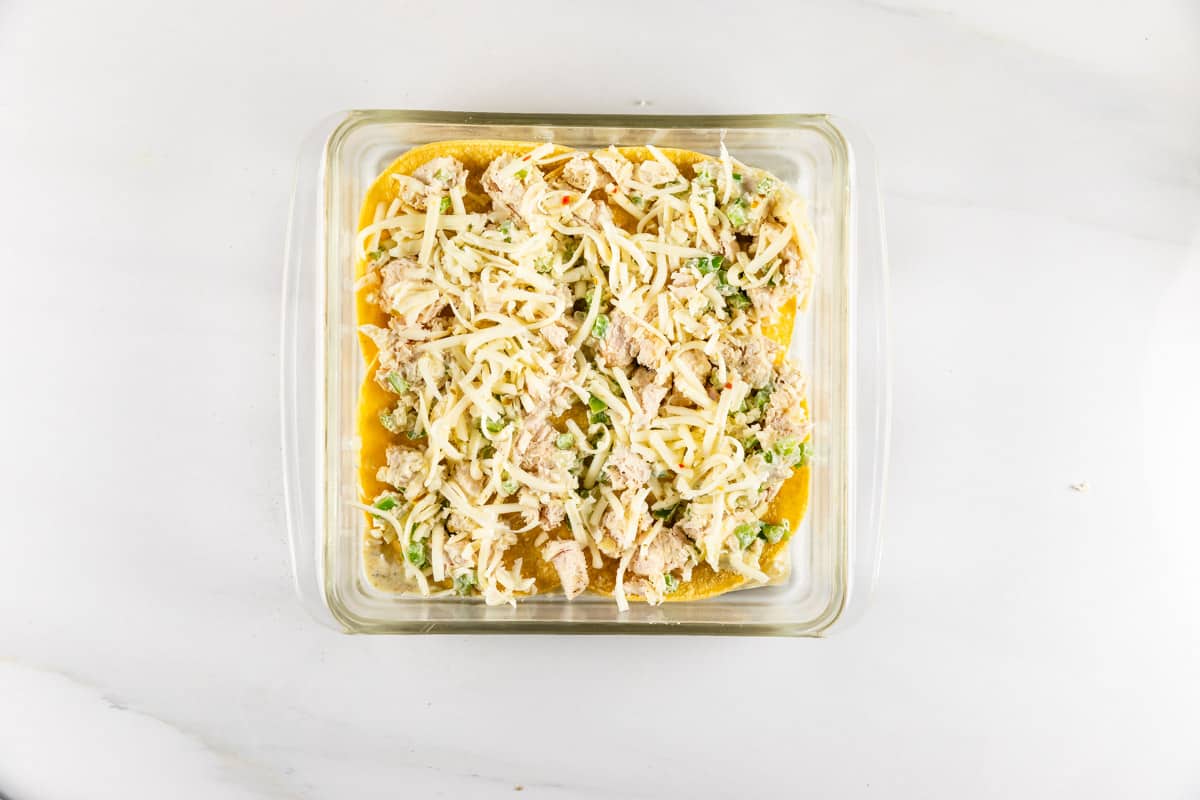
<point x="1042" y="184"/>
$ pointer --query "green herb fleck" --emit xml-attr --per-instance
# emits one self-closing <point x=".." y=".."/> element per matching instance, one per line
<point x="415" y="433"/>
<point x="670" y="582"/>
<point x="386" y="503"/>
<point x="388" y="422"/>
<point x="636" y="199"/>
<point x="508" y="486"/>
<point x="737" y="176"/>
<point x="765" y="186"/>
<point x="521" y="174"/>
<point x="496" y="425"/>
<point x="464" y="584"/>
<point x="564" y="441"/>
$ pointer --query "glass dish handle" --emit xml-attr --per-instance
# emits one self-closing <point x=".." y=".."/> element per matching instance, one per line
<point x="301" y="399"/>
<point x="870" y="374"/>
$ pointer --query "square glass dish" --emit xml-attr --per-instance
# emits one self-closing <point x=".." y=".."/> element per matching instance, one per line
<point x="840" y="343"/>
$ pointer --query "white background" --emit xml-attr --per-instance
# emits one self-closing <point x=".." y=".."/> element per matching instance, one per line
<point x="1042" y="183"/>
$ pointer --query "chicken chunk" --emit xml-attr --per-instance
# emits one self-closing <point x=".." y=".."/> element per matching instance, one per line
<point x="619" y="168"/>
<point x="625" y="341"/>
<point x="785" y="415"/>
<point x="535" y="450"/>
<point x="751" y="359"/>
<point x="683" y="284"/>
<point x="669" y="551"/>
<point x="405" y="469"/>
<point x="511" y="186"/>
<point x="655" y="173"/>
<point x="695" y="363"/>
<point x="556" y="335"/>
<point x="580" y="172"/>
<point x="626" y="469"/>
<point x="435" y="177"/>
<point x="567" y="557"/>
<point x="649" y="395"/>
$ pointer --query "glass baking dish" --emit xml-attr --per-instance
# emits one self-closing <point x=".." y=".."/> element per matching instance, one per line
<point x="841" y="343"/>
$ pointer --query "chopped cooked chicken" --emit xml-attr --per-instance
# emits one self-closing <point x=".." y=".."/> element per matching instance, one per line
<point x="750" y="359"/>
<point x="625" y="341"/>
<point x="649" y="394"/>
<point x="618" y="167"/>
<point x="580" y="172"/>
<point x="567" y="557"/>
<point x="510" y="184"/>
<point x="696" y="365"/>
<point x="626" y="469"/>
<point x="432" y="180"/>
<point x="556" y="335"/>
<point x="785" y="415"/>
<point x="405" y="469"/>
<point x="655" y="173"/>
<point x="667" y="552"/>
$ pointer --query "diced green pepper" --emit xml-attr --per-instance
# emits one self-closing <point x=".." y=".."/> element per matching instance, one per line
<point x="386" y="503"/>
<point x="508" y="485"/>
<point x="417" y="553"/>
<point x="521" y="174"/>
<point x="636" y="199"/>
<point x="441" y="175"/>
<point x="774" y="533"/>
<point x="464" y="584"/>
<point x="746" y="533"/>
<point x="398" y="384"/>
<point x="599" y="418"/>
<point x="600" y="328"/>
<point x="670" y="582"/>
<point x="736" y="212"/>
<point x="564" y="441"/>
<point x="444" y="206"/>
<point x="487" y="451"/>
<point x="596" y="404"/>
<point x="738" y="300"/>
<point x="737" y="176"/>
<point x="388" y="422"/>
<point x="495" y="425"/>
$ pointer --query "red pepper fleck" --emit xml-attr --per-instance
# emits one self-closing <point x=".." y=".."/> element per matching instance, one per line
<point x="729" y="386"/>
<point x="682" y="465"/>
<point x="525" y="157"/>
<point x="566" y="201"/>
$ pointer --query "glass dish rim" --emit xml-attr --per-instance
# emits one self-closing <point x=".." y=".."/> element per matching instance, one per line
<point x="329" y="136"/>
